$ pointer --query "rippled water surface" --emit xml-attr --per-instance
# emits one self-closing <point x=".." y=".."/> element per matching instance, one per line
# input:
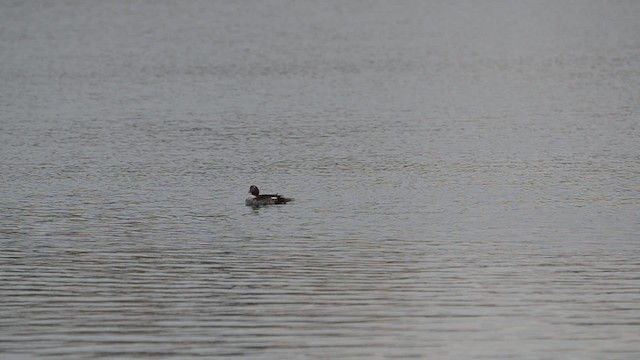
<point x="466" y="175"/>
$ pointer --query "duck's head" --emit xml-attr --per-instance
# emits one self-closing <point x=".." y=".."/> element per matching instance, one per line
<point x="253" y="190"/>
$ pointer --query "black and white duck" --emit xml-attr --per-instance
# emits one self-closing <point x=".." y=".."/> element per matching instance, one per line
<point x="264" y="199"/>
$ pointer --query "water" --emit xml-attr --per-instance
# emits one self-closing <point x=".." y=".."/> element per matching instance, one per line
<point x="466" y="179"/>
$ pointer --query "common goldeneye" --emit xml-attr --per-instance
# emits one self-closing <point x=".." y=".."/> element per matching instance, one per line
<point x="266" y="199"/>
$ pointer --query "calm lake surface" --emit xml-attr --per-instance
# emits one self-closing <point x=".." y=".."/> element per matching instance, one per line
<point x="466" y="175"/>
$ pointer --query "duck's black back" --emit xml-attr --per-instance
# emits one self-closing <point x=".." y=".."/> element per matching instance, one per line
<point x="278" y="199"/>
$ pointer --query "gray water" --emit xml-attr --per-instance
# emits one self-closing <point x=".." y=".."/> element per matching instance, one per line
<point x="466" y="175"/>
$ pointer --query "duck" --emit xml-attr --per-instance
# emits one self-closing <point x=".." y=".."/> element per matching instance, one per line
<point x="264" y="199"/>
